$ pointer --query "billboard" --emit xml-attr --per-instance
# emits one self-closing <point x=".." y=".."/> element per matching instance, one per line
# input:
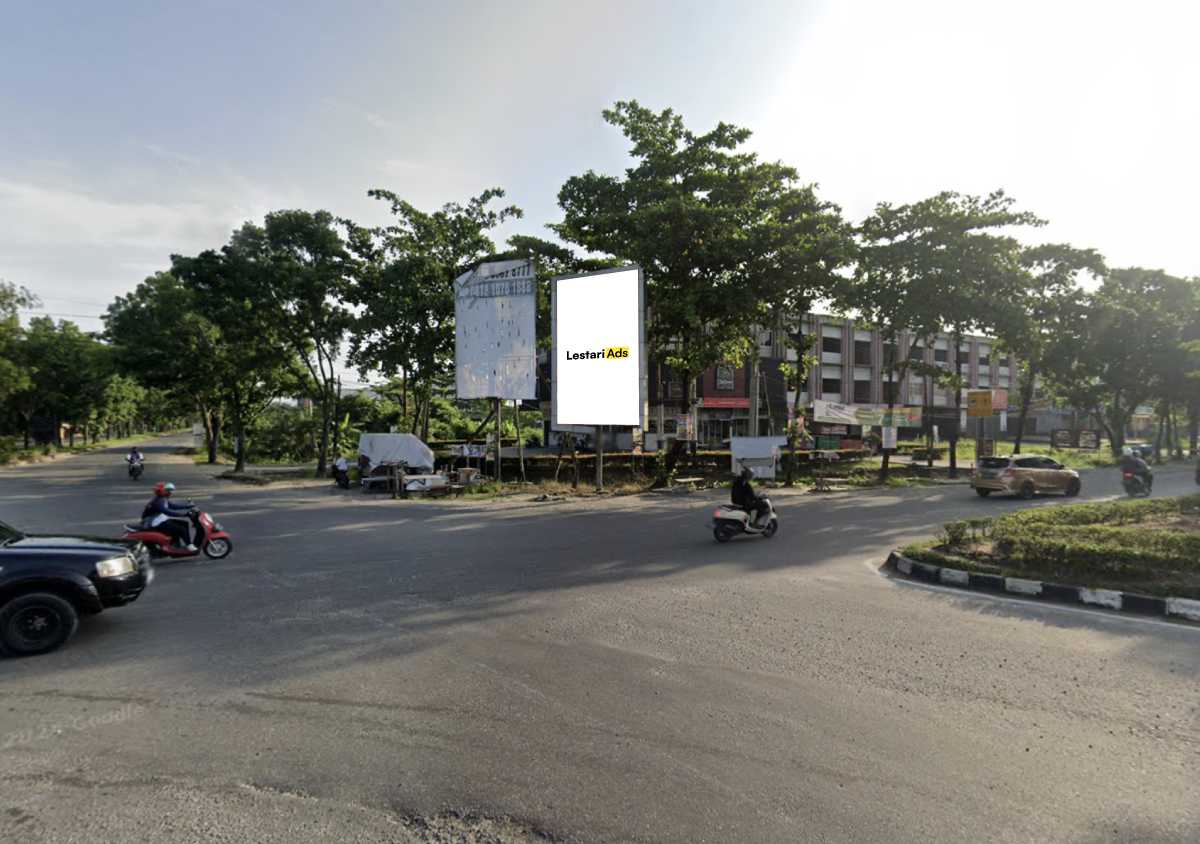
<point x="835" y="413"/>
<point x="599" y="366"/>
<point x="495" y="336"/>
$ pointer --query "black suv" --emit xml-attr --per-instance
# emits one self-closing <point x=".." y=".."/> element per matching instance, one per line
<point x="47" y="582"/>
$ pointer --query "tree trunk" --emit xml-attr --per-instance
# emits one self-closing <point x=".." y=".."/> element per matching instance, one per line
<point x="240" y="446"/>
<point x="1193" y="429"/>
<point x="71" y="436"/>
<point x="25" y="432"/>
<point x="1159" y="435"/>
<point x="1026" y="403"/>
<point x="214" y="438"/>
<point x="323" y="448"/>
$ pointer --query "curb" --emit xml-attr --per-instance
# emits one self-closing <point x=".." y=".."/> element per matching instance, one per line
<point x="1178" y="608"/>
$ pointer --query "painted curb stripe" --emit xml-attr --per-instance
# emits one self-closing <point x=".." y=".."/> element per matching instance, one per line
<point x="926" y="571"/>
<point x="1184" y="607"/>
<point x="1059" y="592"/>
<point x="993" y="582"/>
<point x="1143" y="603"/>
<point x="955" y="577"/>
<point x="1022" y="587"/>
<point x="1101" y="598"/>
<point x="1121" y="601"/>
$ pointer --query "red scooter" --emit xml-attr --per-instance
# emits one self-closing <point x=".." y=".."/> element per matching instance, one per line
<point x="208" y="537"/>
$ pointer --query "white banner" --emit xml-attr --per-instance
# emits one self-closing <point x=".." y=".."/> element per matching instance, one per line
<point x="495" y="334"/>
<point x="599" y="368"/>
<point x="889" y="437"/>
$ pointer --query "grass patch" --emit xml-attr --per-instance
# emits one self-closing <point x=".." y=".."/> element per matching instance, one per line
<point x="11" y="450"/>
<point x="1150" y="546"/>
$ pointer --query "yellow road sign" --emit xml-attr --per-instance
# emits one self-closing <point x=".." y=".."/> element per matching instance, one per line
<point x="979" y="403"/>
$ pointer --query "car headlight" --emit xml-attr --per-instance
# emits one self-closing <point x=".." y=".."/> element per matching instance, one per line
<point x="116" y="567"/>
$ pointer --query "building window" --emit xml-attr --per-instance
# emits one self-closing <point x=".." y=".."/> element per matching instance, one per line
<point x="831" y="387"/>
<point x="1004" y="363"/>
<point x="862" y="352"/>
<point x="984" y="361"/>
<point x="862" y="392"/>
<point x="941" y="355"/>
<point x="675" y="388"/>
<point x="916" y="352"/>
<point x="725" y="377"/>
<point x="832" y="345"/>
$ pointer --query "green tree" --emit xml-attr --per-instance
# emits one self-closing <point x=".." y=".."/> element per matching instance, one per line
<point x="303" y="293"/>
<point x="404" y="288"/>
<point x="1040" y="311"/>
<point x="936" y="265"/>
<point x="160" y="339"/>
<point x="1109" y="359"/>
<point x="246" y="355"/>
<point x="711" y="226"/>
<point x="14" y="375"/>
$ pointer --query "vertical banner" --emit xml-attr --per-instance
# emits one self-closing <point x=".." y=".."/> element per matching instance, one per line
<point x="599" y="365"/>
<point x="889" y="436"/>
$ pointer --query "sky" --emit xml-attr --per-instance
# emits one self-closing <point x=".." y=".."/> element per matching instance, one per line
<point x="130" y="131"/>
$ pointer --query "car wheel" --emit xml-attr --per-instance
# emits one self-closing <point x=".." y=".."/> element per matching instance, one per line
<point x="1073" y="488"/>
<point x="219" y="548"/>
<point x="771" y="529"/>
<point x="1027" y="490"/>
<point x="36" y="623"/>
<point x="983" y="493"/>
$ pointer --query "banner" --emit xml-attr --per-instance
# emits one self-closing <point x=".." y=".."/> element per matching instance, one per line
<point x="495" y="338"/>
<point x="865" y="414"/>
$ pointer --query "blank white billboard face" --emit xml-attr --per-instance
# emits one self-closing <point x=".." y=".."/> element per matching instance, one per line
<point x="598" y="349"/>
<point x="495" y="344"/>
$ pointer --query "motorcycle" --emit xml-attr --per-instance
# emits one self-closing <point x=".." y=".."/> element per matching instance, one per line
<point x="136" y="467"/>
<point x="730" y="521"/>
<point x="208" y="536"/>
<point x="1135" y="486"/>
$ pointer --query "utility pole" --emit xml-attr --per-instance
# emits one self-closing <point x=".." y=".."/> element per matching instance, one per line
<point x="754" y="389"/>
<point x="599" y="434"/>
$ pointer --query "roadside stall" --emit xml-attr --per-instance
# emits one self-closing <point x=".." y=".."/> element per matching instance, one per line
<point x="388" y="459"/>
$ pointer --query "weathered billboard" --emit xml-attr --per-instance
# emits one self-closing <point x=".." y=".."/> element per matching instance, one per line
<point x="495" y="336"/>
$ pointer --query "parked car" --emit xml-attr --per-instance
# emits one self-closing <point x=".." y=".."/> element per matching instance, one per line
<point x="48" y="582"/>
<point x="1024" y="475"/>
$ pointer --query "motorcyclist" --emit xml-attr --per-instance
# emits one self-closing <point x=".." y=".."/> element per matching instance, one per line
<point x="1132" y="462"/>
<point x="134" y="456"/>
<point x="341" y="472"/>
<point x="172" y="520"/>
<point x="742" y="495"/>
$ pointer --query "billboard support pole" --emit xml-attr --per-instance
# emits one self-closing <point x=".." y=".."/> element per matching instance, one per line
<point x="520" y="444"/>
<point x="599" y="458"/>
<point x="499" y="431"/>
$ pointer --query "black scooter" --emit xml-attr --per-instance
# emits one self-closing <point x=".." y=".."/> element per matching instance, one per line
<point x="1135" y="485"/>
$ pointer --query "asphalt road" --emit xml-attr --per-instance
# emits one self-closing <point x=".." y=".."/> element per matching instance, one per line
<point x="369" y="670"/>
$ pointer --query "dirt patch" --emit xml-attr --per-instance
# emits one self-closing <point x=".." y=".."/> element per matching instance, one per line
<point x="455" y="828"/>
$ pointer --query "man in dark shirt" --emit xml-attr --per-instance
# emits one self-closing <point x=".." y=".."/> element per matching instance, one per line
<point x="1131" y="462"/>
<point x="742" y="495"/>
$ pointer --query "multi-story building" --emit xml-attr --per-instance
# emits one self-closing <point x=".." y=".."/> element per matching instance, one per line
<point x="850" y="370"/>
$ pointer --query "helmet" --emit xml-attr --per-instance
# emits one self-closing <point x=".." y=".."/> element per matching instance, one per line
<point x="166" y="489"/>
<point x="747" y="473"/>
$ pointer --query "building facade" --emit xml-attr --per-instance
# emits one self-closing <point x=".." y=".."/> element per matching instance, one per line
<point x="851" y="369"/>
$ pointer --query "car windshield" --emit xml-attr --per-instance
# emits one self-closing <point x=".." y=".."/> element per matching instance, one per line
<point x="9" y="534"/>
<point x="994" y="462"/>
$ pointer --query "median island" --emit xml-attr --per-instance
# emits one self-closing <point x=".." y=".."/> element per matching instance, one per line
<point x="1149" y="546"/>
